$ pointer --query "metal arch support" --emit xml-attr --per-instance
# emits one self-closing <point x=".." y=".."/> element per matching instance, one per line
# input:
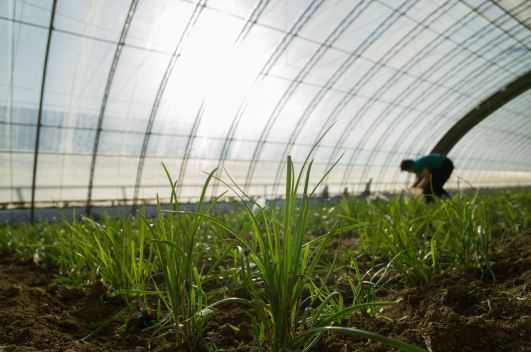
<point x="352" y="125"/>
<point x="433" y="135"/>
<point x="484" y="82"/>
<point x="188" y="148"/>
<point x="405" y="92"/>
<point x="434" y="132"/>
<point x="406" y="130"/>
<point x="478" y="71"/>
<point x="271" y="61"/>
<point x="249" y="24"/>
<point x="106" y="94"/>
<point x="158" y="98"/>
<point x="520" y="62"/>
<point x="395" y="50"/>
<point x="455" y="68"/>
<point x="39" y="116"/>
<point x="297" y="27"/>
<point x="251" y="21"/>
<point x="510" y="14"/>
<point x="390" y="53"/>
<point x="316" y="57"/>
<point x="482" y="111"/>
<point x="343" y="68"/>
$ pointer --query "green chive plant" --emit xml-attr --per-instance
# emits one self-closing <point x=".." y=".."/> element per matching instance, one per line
<point x="177" y="237"/>
<point x="115" y="250"/>
<point x="465" y="225"/>
<point x="281" y="263"/>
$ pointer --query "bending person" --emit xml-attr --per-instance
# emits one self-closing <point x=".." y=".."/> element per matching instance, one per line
<point x="432" y="172"/>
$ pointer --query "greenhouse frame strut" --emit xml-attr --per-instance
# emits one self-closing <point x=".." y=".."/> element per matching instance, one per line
<point x="39" y="116"/>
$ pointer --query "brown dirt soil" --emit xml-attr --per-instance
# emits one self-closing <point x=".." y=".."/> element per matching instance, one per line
<point x="457" y="312"/>
<point x="454" y="312"/>
<point x="38" y="315"/>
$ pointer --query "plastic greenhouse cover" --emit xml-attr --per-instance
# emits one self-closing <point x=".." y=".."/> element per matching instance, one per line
<point x="95" y="95"/>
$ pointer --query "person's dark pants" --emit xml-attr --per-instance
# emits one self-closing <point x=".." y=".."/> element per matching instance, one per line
<point x="438" y="179"/>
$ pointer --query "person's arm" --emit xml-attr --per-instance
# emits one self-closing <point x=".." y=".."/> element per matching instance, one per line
<point x="423" y="179"/>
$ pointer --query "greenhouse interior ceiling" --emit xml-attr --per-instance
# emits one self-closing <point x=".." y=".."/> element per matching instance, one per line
<point x="96" y="94"/>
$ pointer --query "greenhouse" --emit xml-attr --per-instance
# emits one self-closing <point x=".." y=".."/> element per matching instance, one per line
<point x="265" y="175"/>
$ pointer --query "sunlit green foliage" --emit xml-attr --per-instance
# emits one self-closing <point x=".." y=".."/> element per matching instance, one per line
<point x="288" y="266"/>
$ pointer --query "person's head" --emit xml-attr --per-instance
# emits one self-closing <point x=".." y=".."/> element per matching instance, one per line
<point x="407" y="165"/>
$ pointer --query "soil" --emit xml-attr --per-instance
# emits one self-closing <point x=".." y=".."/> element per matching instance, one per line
<point x="454" y="312"/>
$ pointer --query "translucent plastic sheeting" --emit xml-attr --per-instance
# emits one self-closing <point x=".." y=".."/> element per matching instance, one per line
<point x="239" y="85"/>
<point x="497" y="151"/>
<point x="32" y="12"/>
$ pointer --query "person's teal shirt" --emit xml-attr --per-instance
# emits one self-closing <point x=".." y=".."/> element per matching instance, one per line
<point x="430" y="162"/>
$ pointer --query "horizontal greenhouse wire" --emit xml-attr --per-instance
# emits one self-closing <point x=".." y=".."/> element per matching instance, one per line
<point x="520" y="147"/>
<point x="62" y="15"/>
<point x="477" y="171"/>
<point x="435" y="131"/>
<point x="507" y="163"/>
<point x="164" y="186"/>
<point x="309" y="40"/>
<point x="167" y="53"/>
<point x="173" y="158"/>
<point x="397" y="47"/>
<point x="377" y="99"/>
<point x="208" y="138"/>
<point x="477" y="163"/>
<point x="493" y="160"/>
<point x="167" y="187"/>
<point x="85" y="36"/>
<point x="459" y="44"/>
<point x="299" y="36"/>
<point x="337" y="90"/>
<point x="506" y="132"/>
<point x="352" y="188"/>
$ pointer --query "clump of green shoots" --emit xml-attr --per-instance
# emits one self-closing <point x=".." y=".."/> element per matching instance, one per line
<point x="465" y="232"/>
<point x="280" y="264"/>
<point x="115" y="250"/>
<point x="177" y="236"/>
<point x="400" y="232"/>
<point x="421" y="240"/>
